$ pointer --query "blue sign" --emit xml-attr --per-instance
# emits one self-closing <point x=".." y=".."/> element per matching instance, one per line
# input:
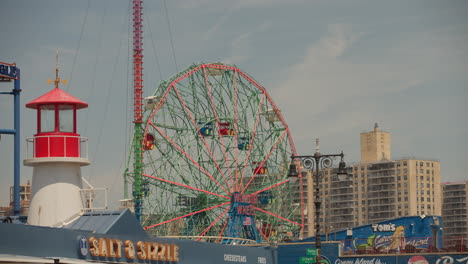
<point x="8" y="71"/>
<point x="83" y="245"/>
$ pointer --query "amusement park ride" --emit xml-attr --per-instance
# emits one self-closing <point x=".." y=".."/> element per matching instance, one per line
<point x="210" y="155"/>
<point x="214" y="159"/>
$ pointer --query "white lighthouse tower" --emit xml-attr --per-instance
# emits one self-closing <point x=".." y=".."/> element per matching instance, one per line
<point x="58" y="154"/>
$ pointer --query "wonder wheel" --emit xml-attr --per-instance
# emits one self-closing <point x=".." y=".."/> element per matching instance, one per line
<point x="216" y="152"/>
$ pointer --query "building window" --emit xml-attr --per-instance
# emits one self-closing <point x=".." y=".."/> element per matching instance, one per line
<point x="47" y="118"/>
<point x="66" y="118"/>
<point x="421" y="164"/>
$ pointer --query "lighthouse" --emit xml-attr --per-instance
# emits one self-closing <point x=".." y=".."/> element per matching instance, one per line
<point x="58" y="153"/>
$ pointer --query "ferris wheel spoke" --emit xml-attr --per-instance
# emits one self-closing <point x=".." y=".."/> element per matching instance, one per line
<point x="180" y="217"/>
<point x="278" y="216"/>
<point x="192" y="120"/>
<point x="293" y="147"/>
<point x="212" y="224"/>
<point x="188" y="157"/>
<point x="222" y="229"/>
<point x="236" y="127"/>
<point x="263" y="235"/>
<point x="270" y="187"/>
<point x="185" y="186"/>
<point x="265" y="159"/>
<point x="257" y="120"/>
<point x="213" y="108"/>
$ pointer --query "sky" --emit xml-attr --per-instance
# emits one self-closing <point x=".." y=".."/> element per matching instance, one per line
<point x="334" y="68"/>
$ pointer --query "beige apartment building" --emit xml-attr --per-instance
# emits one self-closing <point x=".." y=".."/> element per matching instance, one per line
<point x="378" y="188"/>
<point x="454" y="210"/>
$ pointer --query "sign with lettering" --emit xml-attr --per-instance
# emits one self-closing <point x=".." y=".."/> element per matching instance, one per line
<point x="311" y="252"/>
<point x="127" y="249"/>
<point x="8" y="71"/>
<point x="384" y="227"/>
<point x="243" y="203"/>
<point x="306" y="260"/>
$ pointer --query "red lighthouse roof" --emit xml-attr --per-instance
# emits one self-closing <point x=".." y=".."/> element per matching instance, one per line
<point x="56" y="96"/>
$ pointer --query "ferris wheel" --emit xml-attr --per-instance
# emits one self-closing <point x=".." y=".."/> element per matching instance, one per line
<point x="216" y="151"/>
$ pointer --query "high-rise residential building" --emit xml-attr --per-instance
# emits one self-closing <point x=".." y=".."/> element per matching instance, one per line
<point x="455" y="210"/>
<point x="378" y="188"/>
<point x="375" y="145"/>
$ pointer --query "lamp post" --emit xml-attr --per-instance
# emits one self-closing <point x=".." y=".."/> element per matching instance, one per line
<point x="317" y="161"/>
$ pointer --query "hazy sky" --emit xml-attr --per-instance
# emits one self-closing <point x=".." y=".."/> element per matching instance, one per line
<point x="334" y="68"/>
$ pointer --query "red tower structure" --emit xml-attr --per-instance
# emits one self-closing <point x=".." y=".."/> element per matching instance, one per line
<point x="137" y="105"/>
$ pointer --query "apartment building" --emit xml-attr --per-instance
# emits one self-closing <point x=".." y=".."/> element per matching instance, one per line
<point x="378" y="188"/>
<point x="454" y="209"/>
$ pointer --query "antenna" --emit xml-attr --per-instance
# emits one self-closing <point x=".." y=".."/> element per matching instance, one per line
<point x="317" y="147"/>
<point x="57" y="79"/>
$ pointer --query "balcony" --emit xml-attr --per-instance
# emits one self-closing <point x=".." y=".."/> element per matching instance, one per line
<point x="61" y="147"/>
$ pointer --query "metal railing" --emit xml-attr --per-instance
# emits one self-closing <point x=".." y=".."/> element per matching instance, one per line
<point x="32" y="141"/>
<point x="94" y="199"/>
<point x="218" y="240"/>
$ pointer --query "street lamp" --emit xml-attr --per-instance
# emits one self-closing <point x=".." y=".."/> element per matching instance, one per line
<point x="318" y="161"/>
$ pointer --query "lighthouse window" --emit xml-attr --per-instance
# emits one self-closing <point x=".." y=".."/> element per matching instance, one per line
<point x="47" y="118"/>
<point x="66" y="118"/>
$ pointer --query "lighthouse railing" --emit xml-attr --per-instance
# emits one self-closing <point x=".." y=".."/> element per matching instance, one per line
<point x="49" y="146"/>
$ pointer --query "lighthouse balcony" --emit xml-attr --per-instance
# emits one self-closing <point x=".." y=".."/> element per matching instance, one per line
<point x="55" y="147"/>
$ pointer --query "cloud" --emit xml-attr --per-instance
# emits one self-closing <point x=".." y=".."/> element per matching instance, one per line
<point x="242" y="47"/>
